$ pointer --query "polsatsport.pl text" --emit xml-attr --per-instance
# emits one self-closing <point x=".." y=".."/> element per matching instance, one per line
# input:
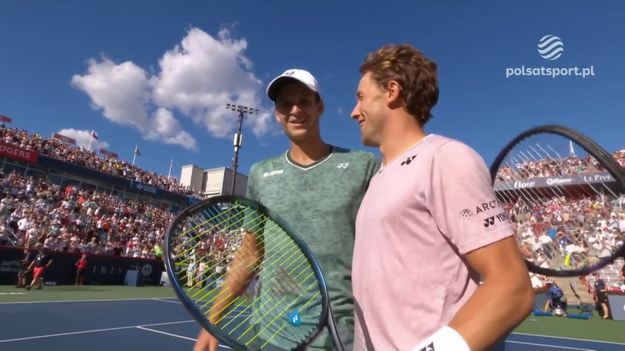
<point x="550" y="71"/>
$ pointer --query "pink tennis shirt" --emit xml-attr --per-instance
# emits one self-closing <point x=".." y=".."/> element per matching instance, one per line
<point x="422" y="212"/>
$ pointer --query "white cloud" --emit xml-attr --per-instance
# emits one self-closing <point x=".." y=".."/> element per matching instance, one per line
<point x="196" y="79"/>
<point x="168" y="130"/>
<point x="121" y="91"/>
<point x="82" y="138"/>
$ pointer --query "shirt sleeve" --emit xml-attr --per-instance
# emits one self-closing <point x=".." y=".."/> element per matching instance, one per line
<point x="462" y="200"/>
<point x="251" y="188"/>
<point x="253" y="221"/>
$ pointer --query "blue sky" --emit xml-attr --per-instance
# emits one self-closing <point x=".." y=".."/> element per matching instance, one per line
<point x="158" y="74"/>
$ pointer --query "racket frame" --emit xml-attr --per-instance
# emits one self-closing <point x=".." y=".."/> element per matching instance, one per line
<point x="326" y="318"/>
<point x="592" y="148"/>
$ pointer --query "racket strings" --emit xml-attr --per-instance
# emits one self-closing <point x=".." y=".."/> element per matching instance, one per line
<point x="221" y="259"/>
<point x="271" y="270"/>
<point x="557" y="204"/>
<point x="273" y="299"/>
<point x="292" y="282"/>
<point x="234" y="222"/>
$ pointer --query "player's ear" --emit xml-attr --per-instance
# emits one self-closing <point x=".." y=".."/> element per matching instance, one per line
<point x="321" y="106"/>
<point x="393" y="92"/>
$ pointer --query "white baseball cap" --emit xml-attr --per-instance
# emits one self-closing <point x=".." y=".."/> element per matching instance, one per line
<point x="299" y="75"/>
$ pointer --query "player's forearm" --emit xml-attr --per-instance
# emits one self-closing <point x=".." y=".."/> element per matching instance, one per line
<point x="495" y="309"/>
<point x="237" y="279"/>
<point x="240" y="273"/>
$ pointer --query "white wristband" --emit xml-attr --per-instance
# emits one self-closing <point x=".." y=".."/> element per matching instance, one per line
<point x="445" y="339"/>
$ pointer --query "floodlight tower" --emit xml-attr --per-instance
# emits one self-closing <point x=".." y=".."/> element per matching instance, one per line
<point x="238" y="138"/>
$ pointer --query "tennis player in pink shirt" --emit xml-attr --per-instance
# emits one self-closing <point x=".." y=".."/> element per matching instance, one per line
<point x="429" y="228"/>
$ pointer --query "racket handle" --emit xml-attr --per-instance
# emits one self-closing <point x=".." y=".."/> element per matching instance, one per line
<point x="333" y="330"/>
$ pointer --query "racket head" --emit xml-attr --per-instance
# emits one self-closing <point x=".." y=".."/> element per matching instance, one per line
<point x="536" y="175"/>
<point x="287" y="282"/>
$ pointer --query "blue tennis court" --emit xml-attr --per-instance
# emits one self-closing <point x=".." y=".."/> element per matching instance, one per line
<point x="140" y="324"/>
<point x="527" y="342"/>
<point x="160" y="324"/>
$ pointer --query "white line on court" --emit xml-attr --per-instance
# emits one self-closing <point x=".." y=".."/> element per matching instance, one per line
<point x="561" y="337"/>
<point x="177" y="336"/>
<point x="68" y="301"/>
<point x="165" y="333"/>
<point x="92" y="331"/>
<point x="170" y="301"/>
<point x="549" y="346"/>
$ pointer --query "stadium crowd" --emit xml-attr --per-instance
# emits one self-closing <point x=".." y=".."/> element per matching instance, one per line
<point x="55" y="148"/>
<point x="586" y="225"/>
<point x="563" y="232"/>
<point x="527" y="169"/>
<point x="35" y="213"/>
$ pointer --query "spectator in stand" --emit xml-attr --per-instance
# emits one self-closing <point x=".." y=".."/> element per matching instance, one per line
<point x="547" y="244"/>
<point x="158" y="251"/>
<point x="621" y="223"/>
<point x="6" y="236"/>
<point x="117" y="249"/>
<point x="93" y="246"/>
<point x="191" y="270"/>
<point x="562" y="241"/>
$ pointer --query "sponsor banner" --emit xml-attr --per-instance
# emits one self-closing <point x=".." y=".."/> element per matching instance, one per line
<point x="144" y="187"/>
<point x="616" y="303"/>
<point x="576" y="179"/>
<point x="6" y="119"/>
<point x="18" y="153"/>
<point x="64" y="138"/>
<point x="101" y="270"/>
<point x="108" y="153"/>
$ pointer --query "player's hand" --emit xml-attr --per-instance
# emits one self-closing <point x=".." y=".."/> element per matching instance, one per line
<point x="206" y="342"/>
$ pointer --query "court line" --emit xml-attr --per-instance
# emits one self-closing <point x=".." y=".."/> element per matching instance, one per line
<point x="93" y="331"/>
<point x="177" y="336"/>
<point x="565" y="338"/>
<point x="67" y="301"/>
<point x="164" y="300"/>
<point x="549" y="346"/>
<point x="165" y="333"/>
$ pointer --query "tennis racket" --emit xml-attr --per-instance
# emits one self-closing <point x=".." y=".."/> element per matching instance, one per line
<point x="564" y="195"/>
<point x="247" y="277"/>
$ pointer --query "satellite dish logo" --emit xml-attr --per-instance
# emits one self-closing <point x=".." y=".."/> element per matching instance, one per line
<point x="550" y="47"/>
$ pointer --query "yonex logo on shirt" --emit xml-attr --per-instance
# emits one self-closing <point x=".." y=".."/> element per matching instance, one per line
<point x="273" y="173"/>
<point x="501" y="217"/>
<point x="342" y="165"/>
<point x="408" y="160"/>
<point x="489" y="221"/>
